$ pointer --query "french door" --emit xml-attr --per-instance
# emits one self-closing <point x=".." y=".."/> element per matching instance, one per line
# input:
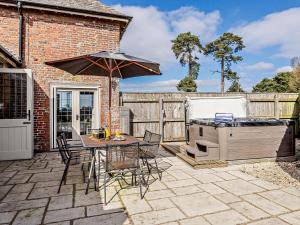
<point x="16" y="114"/>
<point x="76" y="112"/>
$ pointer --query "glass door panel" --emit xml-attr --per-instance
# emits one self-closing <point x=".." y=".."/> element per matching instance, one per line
<point x="86" y="111"/>
<point x="64" y="113"/>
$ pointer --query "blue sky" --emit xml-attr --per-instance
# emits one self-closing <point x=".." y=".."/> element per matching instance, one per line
<point x="270" y="30"/>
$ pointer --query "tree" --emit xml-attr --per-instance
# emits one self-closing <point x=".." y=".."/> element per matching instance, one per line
<point x="187" y="84"/>
<point x="235" y="86"/>
<point x="223" y="50"/>
<point x="280" y="83"/>
<point x="185" y="48"/>
<point x="294" y="81"/>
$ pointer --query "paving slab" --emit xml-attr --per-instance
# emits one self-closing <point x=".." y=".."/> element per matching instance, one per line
<point x="60" y="223"/>
<point x="231" y="217"/>
<point x="264" y="184"/>
<point x="242" y="175"/>
<point x="12" y="197"/>
<point x="4" y="190"/>
<point x="22" y="188"/>
<point x="20" y="205"/>
<point x="81" y="199"/>
<point x="61" y="202"/>
<point x="64" y="214"/>
<point x="29" y="217"/>
<point x="227" y="197"/>
<point x="181" y="183"/>
<point x="194" y="221"/>
<point x="287" y="200"/>
<point x="249" y="210"/>
<point x="7" y="217"/>
<point x="45" y="177"/>
<point x="134" y="204"/>
<point x="187" y="190"/>
<point x="225" y="175"/>
<point x="207" y="177"/>
<point x="211" y="188"/>
<point x="271" y="221"/>
<point x="110" y="219"/>
<point x="292" y="190"/>
<point x="239" y="187"/>
<point x="193" y="205"/>
<point x="50" y="191"/>
<point x="19" y="179"/>
<point x="157" y="217"/>
<point x="101" y="209"/>
<point x="265" y="204"/>
<point x="292" y="218"/>
<point x="160" y="204"/>
<point x="151" y="195"/>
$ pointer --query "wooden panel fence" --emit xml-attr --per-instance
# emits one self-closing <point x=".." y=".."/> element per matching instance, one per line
<point x="164" y="112"/>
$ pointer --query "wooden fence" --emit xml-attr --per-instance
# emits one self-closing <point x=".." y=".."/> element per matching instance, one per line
<point x="164" y="112"/>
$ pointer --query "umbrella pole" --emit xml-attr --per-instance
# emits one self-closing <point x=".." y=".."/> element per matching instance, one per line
<point x="109" y="97"/>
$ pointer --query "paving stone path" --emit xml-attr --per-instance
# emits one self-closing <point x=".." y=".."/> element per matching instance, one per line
<point x="184" y="196"/>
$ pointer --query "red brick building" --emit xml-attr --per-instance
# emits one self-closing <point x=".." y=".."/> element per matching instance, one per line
<point x="35" y="31"/>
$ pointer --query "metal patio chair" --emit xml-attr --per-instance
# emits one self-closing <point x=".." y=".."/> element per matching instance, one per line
<point x="67" y="156"/>
<point x="150" y="151"/>
<point x="122" y="161"/>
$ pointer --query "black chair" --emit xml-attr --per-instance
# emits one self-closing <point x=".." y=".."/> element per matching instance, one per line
<point x="66" y="144"/>
<point x="67" y="156"/>
<point x="150" y="151"/>
<point x="122" y="161"/>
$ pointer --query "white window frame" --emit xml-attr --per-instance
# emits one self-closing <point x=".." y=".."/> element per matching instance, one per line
<point x="54" y="86"/>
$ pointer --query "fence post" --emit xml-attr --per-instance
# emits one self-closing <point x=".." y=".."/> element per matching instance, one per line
<point x="276" y="106"/>
<point x="125" y="120"/>
<point x="161" y="118"/>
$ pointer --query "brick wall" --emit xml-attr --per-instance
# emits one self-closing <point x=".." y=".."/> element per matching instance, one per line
<point x="51" y="36"/>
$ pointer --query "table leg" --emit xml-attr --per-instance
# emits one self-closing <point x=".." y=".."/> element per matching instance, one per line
<point x="92" y="167"/>
<point x="95" y="175"/>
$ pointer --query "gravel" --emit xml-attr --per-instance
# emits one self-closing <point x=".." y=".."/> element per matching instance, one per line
<point x="281" y="173"/>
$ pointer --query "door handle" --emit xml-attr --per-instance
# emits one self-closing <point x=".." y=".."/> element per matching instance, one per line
<point x="26" y="122"/>
<point x="28" y="114"/>
<point x="77" y="117"/>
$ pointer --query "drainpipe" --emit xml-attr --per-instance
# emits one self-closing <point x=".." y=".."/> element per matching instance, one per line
<point x="21" y="19"/>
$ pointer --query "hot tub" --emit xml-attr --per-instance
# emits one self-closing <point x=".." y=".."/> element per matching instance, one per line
<point x="240" y="139"/>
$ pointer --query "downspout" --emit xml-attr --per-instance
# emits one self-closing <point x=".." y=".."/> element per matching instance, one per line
<point x="21" y="19"/>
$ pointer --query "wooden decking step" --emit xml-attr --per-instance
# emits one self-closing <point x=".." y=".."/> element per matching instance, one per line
<point x="202" y="164"/>
<point x="174" y="149"/>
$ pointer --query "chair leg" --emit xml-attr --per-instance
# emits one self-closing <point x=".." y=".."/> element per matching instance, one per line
<point x="140" y="184"/>
<point x="64" y="176"/>
<point x="104" y="183"/>
<point x="158" y="171"/>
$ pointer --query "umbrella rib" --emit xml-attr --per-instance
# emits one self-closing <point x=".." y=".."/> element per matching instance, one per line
<point x="88" y="66"/>
<point x="103" y="67"/>
<point x="145" y="67"/>
<point x="117" y="67"/>
<point x="128" y="64"/>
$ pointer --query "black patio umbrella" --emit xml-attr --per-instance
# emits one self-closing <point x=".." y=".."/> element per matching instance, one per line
<point x="108" y="64"/>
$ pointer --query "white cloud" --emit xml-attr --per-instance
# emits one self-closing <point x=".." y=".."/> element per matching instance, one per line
<point x="260" y="66"/>
<point x="163" y="86"/>
<point x="280" y="29"/>
<point x="150" y="32"/>
<point x="284" y="69"/>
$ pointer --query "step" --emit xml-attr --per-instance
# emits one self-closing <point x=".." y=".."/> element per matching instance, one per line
<point x="209" y="144"/>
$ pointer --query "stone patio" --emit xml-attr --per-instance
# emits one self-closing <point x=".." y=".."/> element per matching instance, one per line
<point x="185" y="196"/>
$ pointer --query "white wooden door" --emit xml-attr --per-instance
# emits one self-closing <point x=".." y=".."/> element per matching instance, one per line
<point x="16" y="114"/>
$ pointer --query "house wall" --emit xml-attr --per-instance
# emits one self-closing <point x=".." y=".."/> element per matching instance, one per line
<point x="50" y="36"/>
